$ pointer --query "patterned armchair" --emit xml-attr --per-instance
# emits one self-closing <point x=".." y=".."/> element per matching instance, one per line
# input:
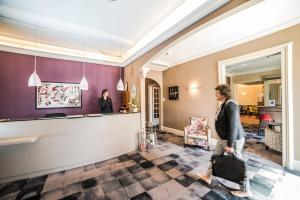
<point x="198" y="132"/>
<point x="273" y="139"/>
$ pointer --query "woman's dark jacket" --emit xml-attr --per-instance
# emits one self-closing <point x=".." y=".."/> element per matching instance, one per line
<point x="105" y="105"/>
<point x="228" y="124"/>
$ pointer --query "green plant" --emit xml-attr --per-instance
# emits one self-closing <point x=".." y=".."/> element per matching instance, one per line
<point x="134" y="103"/>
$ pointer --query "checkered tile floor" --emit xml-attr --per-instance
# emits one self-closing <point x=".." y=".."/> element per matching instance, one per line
<point x="166" y="172"/>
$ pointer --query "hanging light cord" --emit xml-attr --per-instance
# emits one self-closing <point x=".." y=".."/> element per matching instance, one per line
<point x="35" y="49"/>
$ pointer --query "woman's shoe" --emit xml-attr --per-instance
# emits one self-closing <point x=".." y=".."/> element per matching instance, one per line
<point x="241" y="193"/>
<point x="205" y="178"/>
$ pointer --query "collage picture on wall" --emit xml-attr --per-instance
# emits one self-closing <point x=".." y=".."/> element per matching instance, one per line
<point x="174" y="93"/>
<point x="58" y="95"/>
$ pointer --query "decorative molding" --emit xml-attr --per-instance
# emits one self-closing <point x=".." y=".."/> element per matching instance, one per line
<point x="238" y="42"/>
<point x="57" y="56"/>
<point x="61" y="26"/>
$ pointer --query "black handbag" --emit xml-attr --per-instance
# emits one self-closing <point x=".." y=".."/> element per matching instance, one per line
<point x="229" y="167"/>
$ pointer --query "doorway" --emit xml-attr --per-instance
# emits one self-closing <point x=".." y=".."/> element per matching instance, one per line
<point x="255" y="86"/>
<point x="285" y="53"/>
<point x="152" y="91"/>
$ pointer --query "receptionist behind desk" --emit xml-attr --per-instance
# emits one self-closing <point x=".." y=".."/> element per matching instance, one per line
<point x="105" y="102"/>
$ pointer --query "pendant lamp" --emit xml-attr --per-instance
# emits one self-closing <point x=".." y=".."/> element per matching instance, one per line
<point x="34" y="79"/>
<point x="120" y="85"/>
<point x="83" y="83"/>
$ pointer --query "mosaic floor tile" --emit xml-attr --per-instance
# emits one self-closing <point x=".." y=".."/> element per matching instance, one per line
<point x="89" y="167"/>
<point x="127" y="180"/>
<point x="71" y="179"/>
<point x="185" y="180"/>
<point x="78" y="195"/>
<point x="35" y="181"/>
<point x="134" y="189"/>
<point x="12" y="187"/>
<point x="94" y="193"/>
<point x="174" y="173"/>
<point x="142" y="196"/>
<point x="147" y="165"/>
<point x="124" y="157"/>
<point x="184" y="168"/>
<point x="119" y="194"/>
<point x="129" y="163"/>
<point x="149" y="183"/>
<point x="135" y="168"/>
<point x="141" y="175"/>
<point x="54" y="194"/>
<point x="31" y="192"/>
<point x="89" y="183"/>
<point x="91" y="174"/>
<point x="120" y="173"/>
<point x="72" y="189"/>
<point x="159" y="193"/>
<point x="111" y="186"/>
<point x="198" y="189"/>
<point x="106" y="177"/>
<point x="168" y="165"/>
<point x="173" y="187"/>
<point x="173" y="155"/>
<point x="117" y="166"/>
<point x="212" y="195"/>
<point x="168" y="172"/>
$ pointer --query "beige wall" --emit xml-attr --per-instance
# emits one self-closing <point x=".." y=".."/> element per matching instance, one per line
<point x="247" y="94"/>
<point x="204" y="72"/>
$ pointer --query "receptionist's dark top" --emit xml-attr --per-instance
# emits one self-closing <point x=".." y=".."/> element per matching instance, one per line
<point x="105" y="105"/>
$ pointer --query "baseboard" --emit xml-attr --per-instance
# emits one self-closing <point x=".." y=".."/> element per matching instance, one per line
<point x="172" y="130"/>
<point x="58" y="169"/>
<point x="296" y="166"/>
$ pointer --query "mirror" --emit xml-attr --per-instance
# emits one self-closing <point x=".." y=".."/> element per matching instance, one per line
<point x="273" y="92"/>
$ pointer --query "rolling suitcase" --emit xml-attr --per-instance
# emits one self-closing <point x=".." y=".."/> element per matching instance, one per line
<point x="229" y="167"/>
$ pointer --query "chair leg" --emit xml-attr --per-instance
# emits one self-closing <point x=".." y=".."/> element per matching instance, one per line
<point x="267" y="148"/>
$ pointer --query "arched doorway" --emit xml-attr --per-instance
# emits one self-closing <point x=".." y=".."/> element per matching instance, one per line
<point x="152" y="103"/>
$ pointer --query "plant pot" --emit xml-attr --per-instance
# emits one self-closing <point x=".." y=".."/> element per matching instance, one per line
<point x="135" y="109"/>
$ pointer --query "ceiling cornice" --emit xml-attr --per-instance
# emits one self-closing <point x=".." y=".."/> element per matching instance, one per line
<point x="60" y="26"/>
<point x="239" y="41"/>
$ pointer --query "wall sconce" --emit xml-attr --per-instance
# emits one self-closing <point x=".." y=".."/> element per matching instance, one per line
<point x="243" y="93"/>
<point x="193" y="88"/>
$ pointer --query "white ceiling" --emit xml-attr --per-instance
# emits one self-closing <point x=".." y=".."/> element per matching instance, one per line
<point x="266" y="63"/>
<point x="256" y="21"/>
<point x="114" y="31"/>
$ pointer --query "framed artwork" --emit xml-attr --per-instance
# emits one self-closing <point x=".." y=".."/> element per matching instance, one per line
<point x="58" y="95"/>
<point x="174" y="93"/>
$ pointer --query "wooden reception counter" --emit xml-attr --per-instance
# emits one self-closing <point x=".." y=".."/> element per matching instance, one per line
<point x="35" y="147"/>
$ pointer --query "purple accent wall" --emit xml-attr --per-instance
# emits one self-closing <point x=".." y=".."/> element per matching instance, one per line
<point x="17" y="100"/>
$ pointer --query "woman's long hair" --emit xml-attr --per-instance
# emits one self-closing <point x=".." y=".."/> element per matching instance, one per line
<point x="103" y="91"/>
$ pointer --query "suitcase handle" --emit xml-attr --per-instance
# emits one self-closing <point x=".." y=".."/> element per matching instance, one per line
<point x="230" y="154"/>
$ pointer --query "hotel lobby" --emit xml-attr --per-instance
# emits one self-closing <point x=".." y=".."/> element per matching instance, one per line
<point x="115" y="99"/>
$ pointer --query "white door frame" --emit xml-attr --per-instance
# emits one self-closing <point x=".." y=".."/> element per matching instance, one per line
<point x="287" y="93"/>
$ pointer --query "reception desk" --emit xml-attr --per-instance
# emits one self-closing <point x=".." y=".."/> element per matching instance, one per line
<point x="66" y="143"/>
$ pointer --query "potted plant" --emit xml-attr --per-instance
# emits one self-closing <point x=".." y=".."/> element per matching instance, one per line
<point x="134" y="104"/>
